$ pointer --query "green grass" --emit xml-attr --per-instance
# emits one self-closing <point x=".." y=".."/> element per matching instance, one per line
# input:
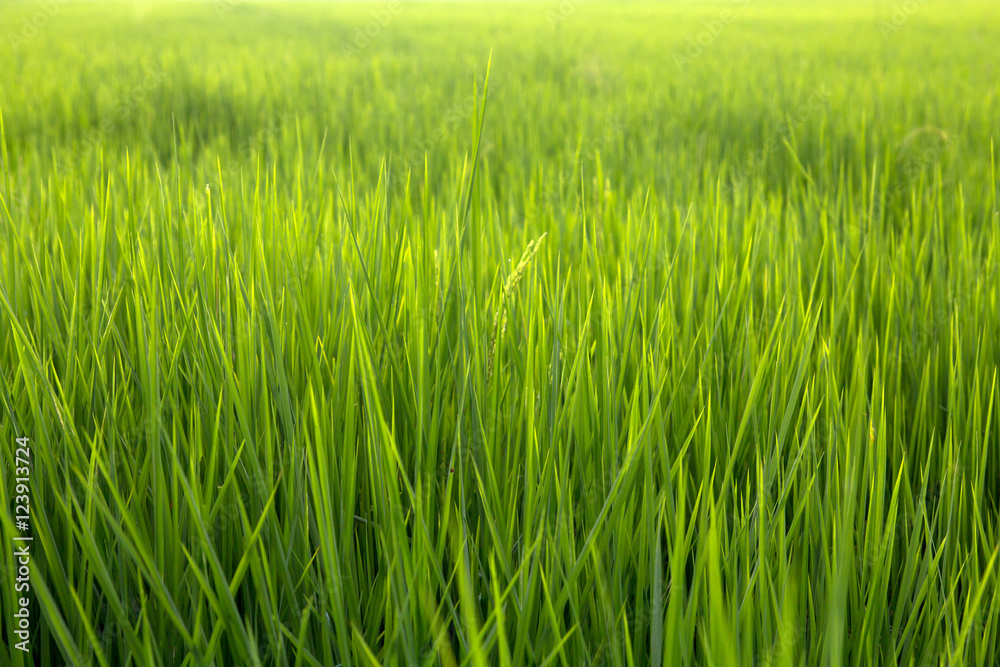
<point x="601" y="350"/>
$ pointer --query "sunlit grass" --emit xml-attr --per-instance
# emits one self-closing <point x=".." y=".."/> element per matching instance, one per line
<point x="566" y="355"/>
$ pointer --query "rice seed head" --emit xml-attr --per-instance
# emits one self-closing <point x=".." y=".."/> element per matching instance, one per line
<point x="500" y="316"/>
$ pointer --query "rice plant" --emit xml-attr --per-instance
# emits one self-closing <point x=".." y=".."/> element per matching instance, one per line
<point x="578" y="333"/>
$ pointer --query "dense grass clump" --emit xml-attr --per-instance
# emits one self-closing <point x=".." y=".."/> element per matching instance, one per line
<point x="667" y="334"/>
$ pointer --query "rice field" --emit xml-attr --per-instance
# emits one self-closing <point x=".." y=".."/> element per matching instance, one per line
<point x="500" y="333"/>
